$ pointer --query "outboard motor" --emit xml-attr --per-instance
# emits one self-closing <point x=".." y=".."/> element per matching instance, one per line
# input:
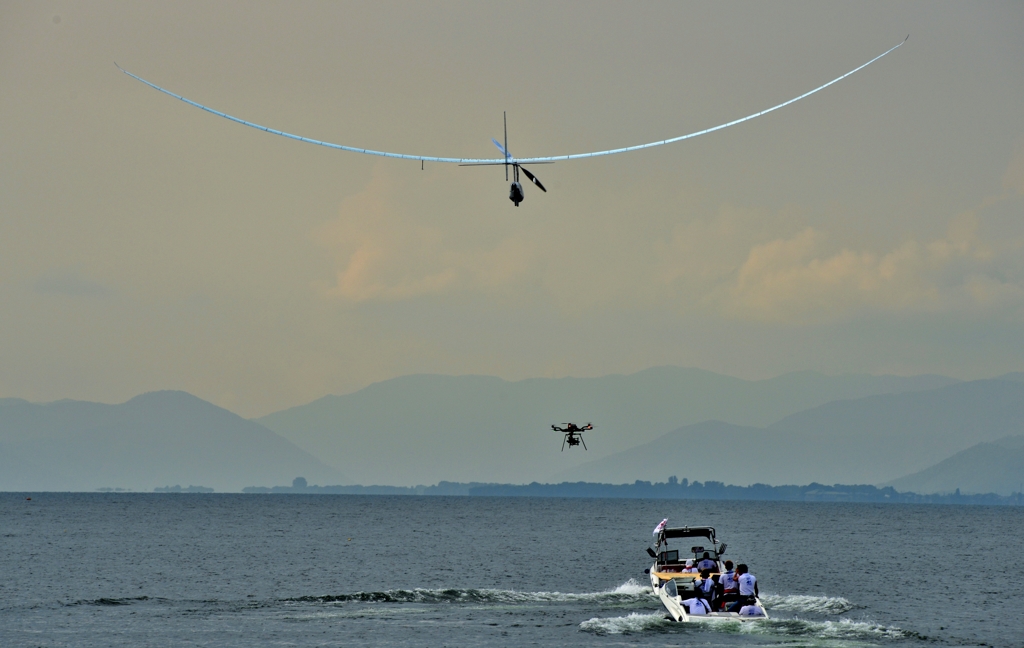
<point x="515" y="194"/>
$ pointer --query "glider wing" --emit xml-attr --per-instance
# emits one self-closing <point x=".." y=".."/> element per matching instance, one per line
<point x="509" y="159"/>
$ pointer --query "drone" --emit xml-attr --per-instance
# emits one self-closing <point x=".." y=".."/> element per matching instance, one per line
<point x="507" y="160"/>
<point x="573" y="434"/>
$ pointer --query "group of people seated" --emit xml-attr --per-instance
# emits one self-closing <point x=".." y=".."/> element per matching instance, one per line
<point x="734" y="590"/>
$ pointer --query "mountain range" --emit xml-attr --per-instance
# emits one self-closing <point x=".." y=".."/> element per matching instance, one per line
<point x="156" y="439"/>
<point x="996" y="467"/>
<point x="424" y="428"/>
<point x="859" y="441"/>
<point x="922" y="433"/>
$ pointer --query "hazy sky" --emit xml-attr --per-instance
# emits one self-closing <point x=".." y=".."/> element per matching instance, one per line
<point x="876" y="227"/>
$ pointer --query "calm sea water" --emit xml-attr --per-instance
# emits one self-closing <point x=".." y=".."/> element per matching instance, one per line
<point x="322" y="570"/>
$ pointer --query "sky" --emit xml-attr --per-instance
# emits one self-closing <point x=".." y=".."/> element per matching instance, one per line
<point x="875" y="227"/>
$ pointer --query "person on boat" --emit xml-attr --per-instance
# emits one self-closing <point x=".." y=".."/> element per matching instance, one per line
<point x="711" y="589"/>
<point x="697" y="606"/>
<point x="747" y="588"/>
<point x="705" y="584"/>
<point x="751" y="611"/>
<point x="729" y="585"/>
<point x="689" y="569"/>
<point x="707" y="563"/>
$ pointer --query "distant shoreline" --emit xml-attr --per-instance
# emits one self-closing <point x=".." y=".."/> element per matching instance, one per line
<point x="670" y="490"/>
<point x="710" y="490"/>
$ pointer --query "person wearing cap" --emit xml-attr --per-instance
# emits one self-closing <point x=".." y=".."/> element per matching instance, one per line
<point x="690" y="569"/>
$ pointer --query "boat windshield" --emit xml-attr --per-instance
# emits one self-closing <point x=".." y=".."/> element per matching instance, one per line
<point x="682" y="544"/>
<point x="686" y="548"/>
<point x="671" y="589"/>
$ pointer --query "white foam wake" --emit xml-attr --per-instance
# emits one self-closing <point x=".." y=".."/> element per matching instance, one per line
<point x="629" y="624"/>
<point x="804" y="603"/>
<point x="843" y="629"/>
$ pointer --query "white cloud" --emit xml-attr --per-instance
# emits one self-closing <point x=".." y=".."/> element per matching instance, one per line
<point x="385" y="250"/>
<point x="797" y="280"/>
<point x="732" y="264"/>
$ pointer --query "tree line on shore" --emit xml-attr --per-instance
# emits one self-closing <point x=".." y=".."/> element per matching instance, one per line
<point x="673" y="488"/>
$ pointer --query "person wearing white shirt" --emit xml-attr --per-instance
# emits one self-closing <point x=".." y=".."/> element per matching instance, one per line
<point x="690" y="569"/>
<point x="705" y="583"/>
<point x="728" y="579"/>
<point x="697" y="606"/>
<point x="747" y="588"/>
<point x="711" y="590"/>
<point x="707" y="563"/>
<point x="751" y="611"/>
<point x="729" y="585"/>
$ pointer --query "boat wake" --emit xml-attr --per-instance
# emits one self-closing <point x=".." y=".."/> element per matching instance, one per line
<point x="627" y="595"/>
<point x="629" y="592"/>
<point x="630" y="624"/>
<point x="825" y="605"/>
<point x="843" y="629"/>
<point x="831" y="629"/>
<point x="110" y="601"/>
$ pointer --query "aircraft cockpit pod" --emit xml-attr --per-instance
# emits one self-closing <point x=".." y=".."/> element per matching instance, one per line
<point x="515" y="194"/>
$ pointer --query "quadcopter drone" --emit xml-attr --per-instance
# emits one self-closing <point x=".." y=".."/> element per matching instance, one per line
<point x="573" y="434"/>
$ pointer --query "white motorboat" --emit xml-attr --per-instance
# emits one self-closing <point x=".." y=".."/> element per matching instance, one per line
<point x="675" y="585"/>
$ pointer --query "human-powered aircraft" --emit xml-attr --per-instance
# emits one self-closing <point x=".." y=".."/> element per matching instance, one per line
<point x="508" y="160"/>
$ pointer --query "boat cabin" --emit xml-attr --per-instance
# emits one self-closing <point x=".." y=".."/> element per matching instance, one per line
<point x="671" y="551"/>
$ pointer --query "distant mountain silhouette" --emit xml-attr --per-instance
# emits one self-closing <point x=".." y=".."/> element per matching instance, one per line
<point x="156" y="439"/>
<point x="424" y="428"/>
<point x="996" y="467"/>
<point x="861" y="441"/>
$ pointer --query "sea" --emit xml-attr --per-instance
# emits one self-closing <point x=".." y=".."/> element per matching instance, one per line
<point x="136" y="569"/>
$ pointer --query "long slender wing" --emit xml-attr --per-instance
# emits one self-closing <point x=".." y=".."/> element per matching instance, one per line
<point x="577" y="156"/>
<point x="353" y="149"/>
<point x="509" y="159"/>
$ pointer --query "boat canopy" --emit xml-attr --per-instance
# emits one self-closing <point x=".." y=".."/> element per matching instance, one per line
<point x="690" y="532"/>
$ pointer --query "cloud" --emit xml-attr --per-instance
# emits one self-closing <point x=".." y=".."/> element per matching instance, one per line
<point x="385" y="249"/>
<point x="794" y="280"/>
<point x="730" y="264"/>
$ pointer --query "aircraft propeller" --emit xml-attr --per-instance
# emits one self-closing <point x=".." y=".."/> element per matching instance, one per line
<point x="516" y="194"/>
<point x="532" y="178"/>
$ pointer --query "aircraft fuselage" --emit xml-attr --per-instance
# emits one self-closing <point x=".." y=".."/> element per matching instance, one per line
<point x="515" y="194"/>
